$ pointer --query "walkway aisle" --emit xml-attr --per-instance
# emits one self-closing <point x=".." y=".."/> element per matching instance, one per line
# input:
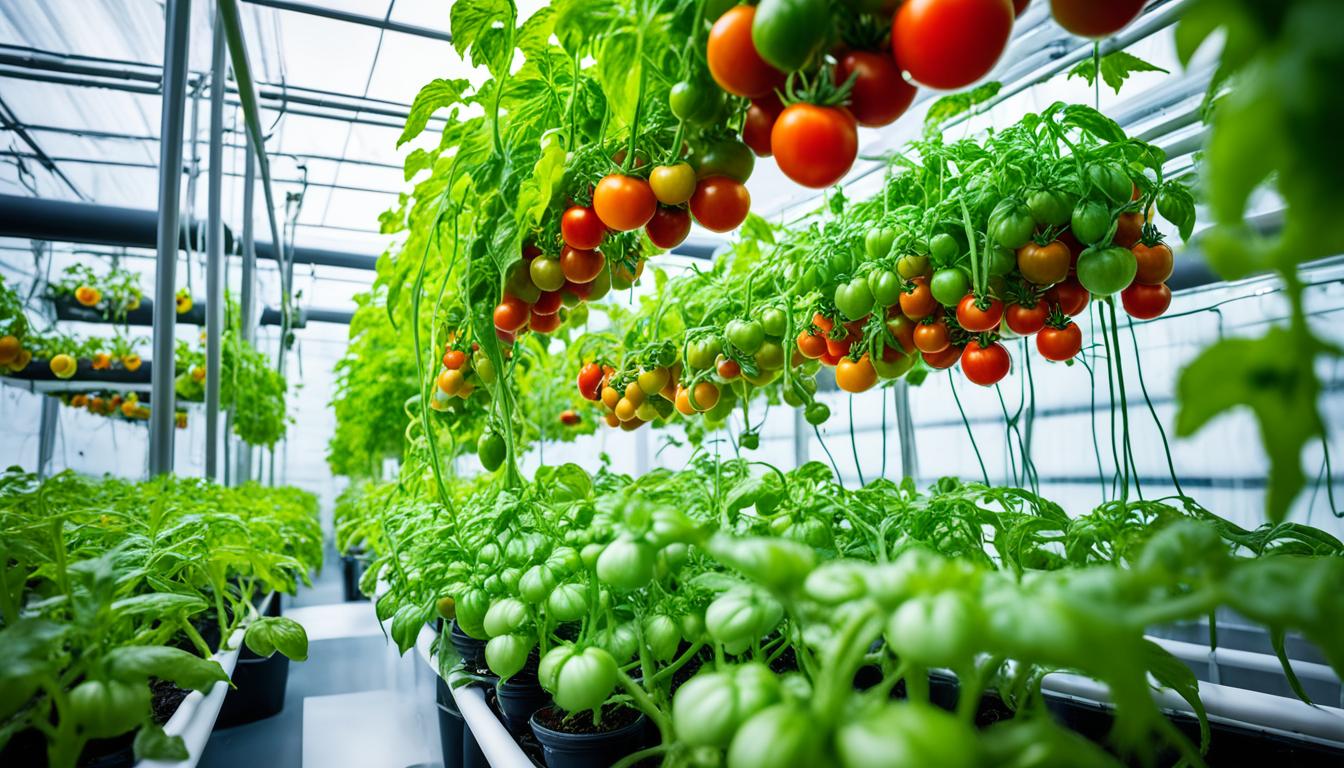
<point x="353" y="703"/>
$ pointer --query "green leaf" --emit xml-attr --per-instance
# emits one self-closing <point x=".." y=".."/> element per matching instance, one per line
<point x="954" y="104"/>
<point x="1172" y="673"/>
<point x="269" y="634"/>
<point x="152" y="743"/>
<point x="1091" y="121"/>
<point x="136" y="664"/>
<point x="618" y="72"/>
<point x="476" y="26"/>
<point x="159" y="603"/>
<point x="1274" y="377"/>
<point x="416" y="162"/>
<point x="436" y="95"/>
<point x="757" y="228"/>
<point x="1116" y="67"/>
<point x="25" y="647"/>
<point x="406" y="625"/>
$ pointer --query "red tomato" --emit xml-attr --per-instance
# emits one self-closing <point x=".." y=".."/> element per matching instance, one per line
<point x="505" y="337"/>
<point x="919" y="303"/>
<point x="985" y="365"/>
<point x="761" y="117"/>
<point x="1019" y="6"/>
<point x="454" y="359"/>
<point x="1070" y="295"/>
<point x="668" y="227"/>
<point x="950" y="44"/>
<point x="728" y="369"/>
<point x="1155" y="263"/>
<point x="824" y="323"/>
<point x="530" y="252"/>
<point x="811" y="345"/>
<point x="624" y="202"/>
<point x="590" y="381"/>
<point x="1128" y="229"/>
<point x="733" y="60"/>
<point x="1060" y="344"/>
<point x="569" y="418"/>
<point x="548" y="303"/>
<point x="720" y="204"/>
<point x="932" y="338"/>
<point x="544" y="323"/>
<point x="1024" y="320"/>
<point x="942" y="360"/>
<point x="1075" y="248"/>
<point x="1146" y="301"/>
<point x="977" y="320"/>
<point x="855" y="375"/>
<point x="580" y="290"/>
<point x="815" y="146"/>
<point x="581" y="228"/>
<point x="1089" y="18"/>
<point x="511" y="314"/>
<point x="880" y="94"/>
<point x="581" y="266"/>
<point x="839" y="347"/>
<point x="831" y="360"/>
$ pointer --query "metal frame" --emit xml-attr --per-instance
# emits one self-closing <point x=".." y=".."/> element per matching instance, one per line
<point x="353" y="18"/>
<point x="214" y="263"/>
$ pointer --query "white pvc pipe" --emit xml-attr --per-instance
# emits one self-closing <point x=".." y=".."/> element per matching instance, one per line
<point x="498" y="746"/>
<point x="1249" y="660"/>
<point x="195" y="717"/>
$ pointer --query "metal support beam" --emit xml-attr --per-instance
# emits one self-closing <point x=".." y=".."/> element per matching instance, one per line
<point x="46" y="434"/>
<point x="905" y="427"/>
<point x="248" y="309"/>
<point x="214" y="259"/>
<point x="177" y="39"/>
<point x="354" y="18"/>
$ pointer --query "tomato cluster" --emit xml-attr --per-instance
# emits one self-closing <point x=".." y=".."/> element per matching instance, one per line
<point x="464" y="371"/>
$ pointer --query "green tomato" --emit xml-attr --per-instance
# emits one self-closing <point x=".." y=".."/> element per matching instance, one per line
<point x="578" y="680"/>
<point x="567" y="602"/>
<point x="788" y="34"/>
<point x="506" y="615"/>
<point x="854" y="299"/>
<point x="912" y="265"/>
<point x="817" y="413"/>
<point x="739" y="618"/>
<point x="590" y="553"/>
<point x="877" y="242"/>
<point x="702" y="354"/>
<point x="1090" y="222"/>
<point x="518" y="550"/>
<point x="885" y="286"/>
<point x="563" y="560"/>
<point x="896" y="368"/>
<point x="772" y="563"/>
<point x="939" y="630"/>
<point x="519" y="282"/>
<point x="626" y="564"/>
<point x="472" y="606"/>
<point x="536" y="583"/>
<point x="671" y="558"/>
<point x="622" y="642"/>
<point x="708" y="709"/>
<point x="837" y="582"/>
<point x="1001" y="261"/>
<point x="490" y="449"/>
<point x="726" y="157"/>
<point x="779" y="736"/>
<point x="774" y="322"/>
<point x="695" y="101"/>
<point x="662" y="636"/>
<point x="770" y="356"/>
<point x="546" y="274"/>
<point x="509" y="578"/>
<point x="1111" y="180"/>
<point x="599" y="287"/>
<point x="693" y="626"/>
<point x="506" y="655"/>
<point x="1105" y="271"/>
<point x="489" y="553"/>
<point x="104" y="709"/>
<point x="1011" y="223"/>
<point x="483" y="366"/>
<point x="905" y="734"/>
<point x="949" y="286"/>
<point x="746" y="335"/>
<point x="1050" y="208"/>
<point x="944" y="248"/>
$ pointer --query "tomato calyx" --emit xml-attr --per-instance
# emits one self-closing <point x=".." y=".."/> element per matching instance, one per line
<point x="820" y="90"/>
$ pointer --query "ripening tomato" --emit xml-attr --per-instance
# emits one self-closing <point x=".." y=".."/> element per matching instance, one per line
<point x="979" y="315"/>
<point x="1070" y="295"/>
<point x="669" y="227"/>
<point x="1089" y="18"/>
<point x="672" y="184"/>
<point x="548" y="303"/>
<point x="880" y="94"/>
<point x="581" y="266"/>
<point x="624" y="202"/>
<point x="985" y="365"/>
<point x="1146" y="301"/>
<point x="1025" y="320"/>
<point x="704" y="396"/>
<point x="814" y="145"/>
<point x="728" y="369"/>
<point x="1128" y="229"/>
<point x="590" y="381"/>
<point x="1060" y="344"/>
<point x="511" y="314"/>
<point x="1155" y="263"/>
<point x="918" y="303"/>
<point x="544" y="323"/>
<point x="932" y="338"/>
<point x="733" y="60"/>
<point x="720" y="204"/>
<point x="761" y="117"/>
<point x="839" y="347"/>
<point x="1044" y="264"/>
<point x="942" y="360"/>
<point x="454" y="359"/>
<point x="811" y="345"/>
<point x="581" y="228"/>
<point x="855" y="375"/>
<point x="902" y="329"/>
<point x="949" y="44"/>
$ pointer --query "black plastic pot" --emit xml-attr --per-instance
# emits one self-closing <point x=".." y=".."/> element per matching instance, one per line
<point x="469" y="648"/>
<point x="518" y="698"/>
<point x="459" y="743"/>
<point x="259" y="690"/>
<point x="589" y="750"/>
<point x="352" y="568"/>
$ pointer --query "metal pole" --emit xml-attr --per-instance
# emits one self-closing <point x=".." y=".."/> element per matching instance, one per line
<point x="46" y="434"/>
<point x="177" y="38"/>
<point x="248" y="309"/>
<point x="214" y="265"/>
<point x="906" y="429"/>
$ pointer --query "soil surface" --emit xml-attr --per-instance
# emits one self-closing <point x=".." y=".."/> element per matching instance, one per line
<point x="614" y="718"/>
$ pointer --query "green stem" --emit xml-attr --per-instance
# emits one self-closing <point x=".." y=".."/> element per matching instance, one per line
<point x="647" y="706"/>
<point x="951" y="382"/>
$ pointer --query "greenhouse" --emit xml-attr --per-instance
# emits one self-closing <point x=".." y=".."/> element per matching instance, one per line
<point x="681" y="383"/>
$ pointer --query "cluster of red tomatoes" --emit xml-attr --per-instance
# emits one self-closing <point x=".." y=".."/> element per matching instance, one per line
<point x="461" y="375"/>
<point x="632" y="399"/>
<point x="941" y="44"/>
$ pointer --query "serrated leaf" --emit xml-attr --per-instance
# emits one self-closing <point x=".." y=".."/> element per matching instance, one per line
<point x="1091" y="121"/>
<point x="953" y="104"/>
<point x="757" y="228"/>
<point x="436" y="95"/>
<point x="1116" y="67"/>
<point x="269" y="634"/>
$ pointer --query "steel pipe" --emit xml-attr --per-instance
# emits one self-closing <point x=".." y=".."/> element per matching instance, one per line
<point x="214" y="259"/>
<point x="354" y="18"/>
<point x="177" y="39"/>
